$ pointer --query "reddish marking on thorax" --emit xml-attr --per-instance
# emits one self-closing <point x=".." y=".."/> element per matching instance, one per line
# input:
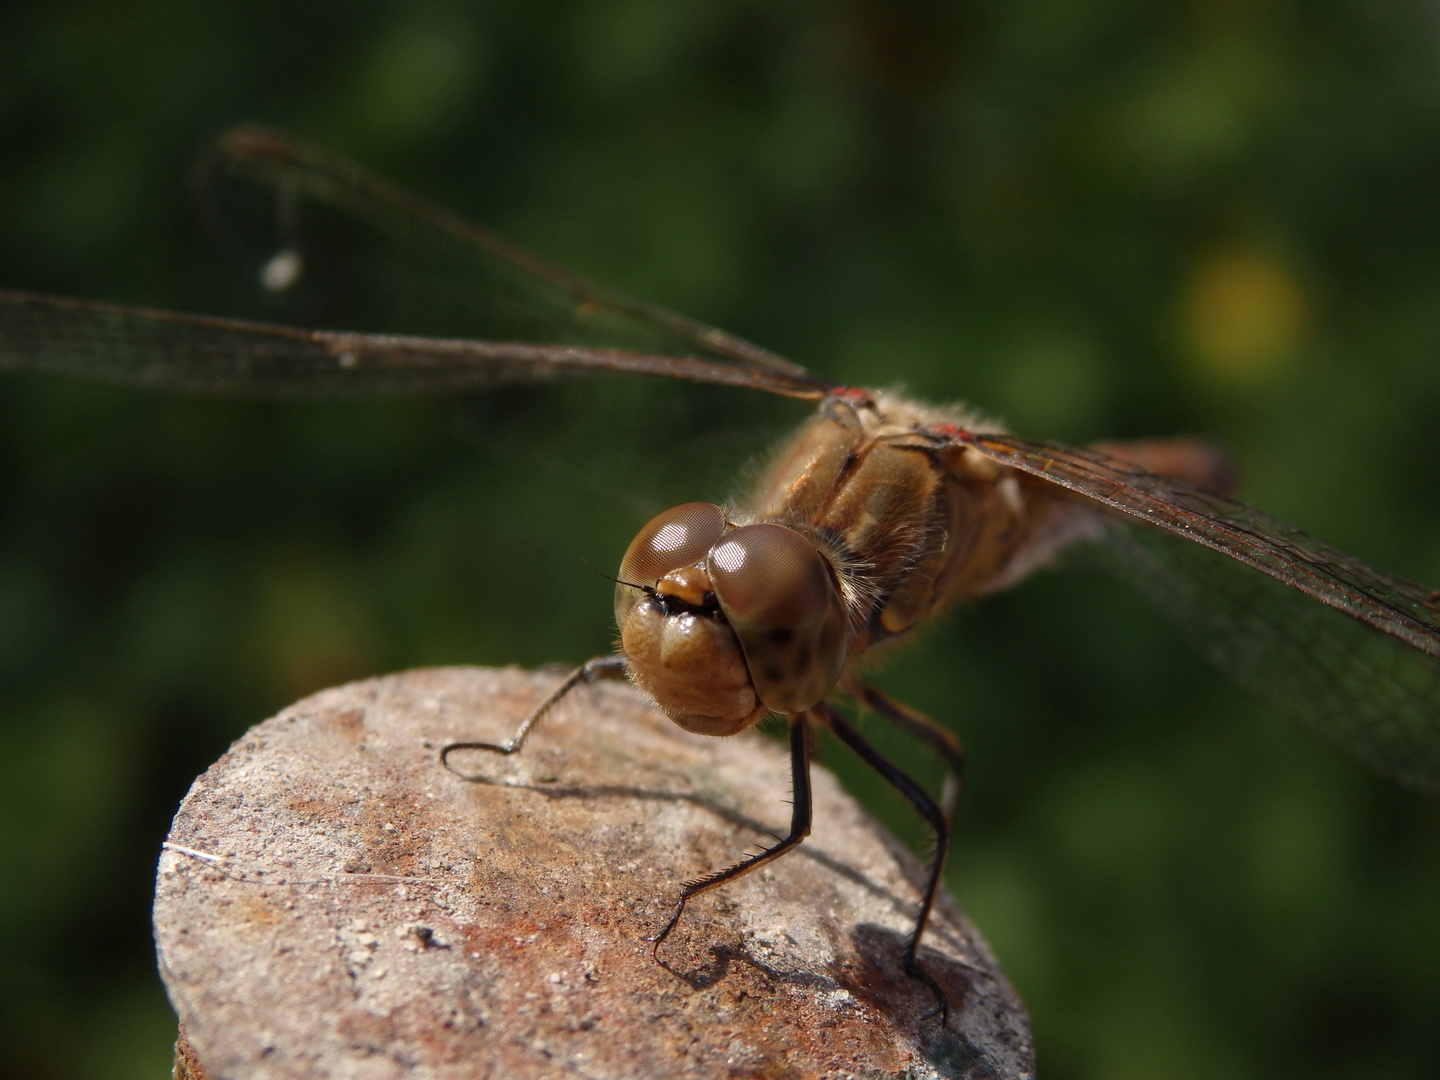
<point x="947" y="430"/>
<point x="852" y="395"/>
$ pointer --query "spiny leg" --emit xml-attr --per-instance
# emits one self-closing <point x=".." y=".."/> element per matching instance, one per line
<point x="922" y="727"/>
<point x="601" y="667"/>
<point x="800" y="815"/>
<point x="932" y="814"/>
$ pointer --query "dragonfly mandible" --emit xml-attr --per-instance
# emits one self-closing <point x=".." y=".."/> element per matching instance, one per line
<point x="879" y="514"/>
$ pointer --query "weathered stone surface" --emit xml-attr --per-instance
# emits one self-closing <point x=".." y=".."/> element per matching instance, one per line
<point x="334" y="903"/>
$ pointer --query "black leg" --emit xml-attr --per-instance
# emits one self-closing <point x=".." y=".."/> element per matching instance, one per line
<point x="922" y="727"/>
<point x="799" y="827"/>
<point x="932" y="814"/>
<point x="599" y="668"/>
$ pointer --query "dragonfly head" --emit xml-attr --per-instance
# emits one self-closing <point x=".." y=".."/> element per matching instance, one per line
<point x="723" y="624"/>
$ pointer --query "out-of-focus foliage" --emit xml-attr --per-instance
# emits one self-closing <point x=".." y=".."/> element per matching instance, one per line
<point x="1099" y="219"/>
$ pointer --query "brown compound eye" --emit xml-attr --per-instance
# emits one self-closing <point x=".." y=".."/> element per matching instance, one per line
<point x="671" y="540"/>
<point x="777" y="593"/>
<point x="677" y="538"/>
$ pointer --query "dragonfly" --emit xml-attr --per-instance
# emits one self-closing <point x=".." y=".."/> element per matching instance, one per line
<point x="876" y="516"/>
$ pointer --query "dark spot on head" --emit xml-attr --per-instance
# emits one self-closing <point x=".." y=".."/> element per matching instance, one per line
<point x="773" y="673"/>
<point x="802" y="658"/>
<point x="781" y="636"/>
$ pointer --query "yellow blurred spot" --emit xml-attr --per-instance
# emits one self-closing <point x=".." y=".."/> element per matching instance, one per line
<point x="1244" y="315"/>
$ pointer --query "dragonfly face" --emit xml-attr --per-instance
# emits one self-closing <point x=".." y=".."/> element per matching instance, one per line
<point x="728" y="622"/>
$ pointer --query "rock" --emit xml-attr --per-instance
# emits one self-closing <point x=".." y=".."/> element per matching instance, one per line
<point x="332" y="902"/>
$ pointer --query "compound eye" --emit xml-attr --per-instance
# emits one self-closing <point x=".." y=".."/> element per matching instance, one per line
<point x="677" y="538"/>
<point x="777" y="593"/>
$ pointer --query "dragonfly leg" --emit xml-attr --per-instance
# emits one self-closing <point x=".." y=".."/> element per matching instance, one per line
<point x="922" y="727"/>
<point x="933" y="816"/>
<point x="601" y="667"/>
<point x="799" y="828"/>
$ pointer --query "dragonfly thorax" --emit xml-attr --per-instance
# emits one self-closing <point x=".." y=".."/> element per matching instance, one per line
<point x="721" y="624"/>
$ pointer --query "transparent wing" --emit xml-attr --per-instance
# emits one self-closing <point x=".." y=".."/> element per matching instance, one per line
<point x="1362" y="666"/>
<point x="317" y="227"/>
<point x="1369" y="693"/>
<point x="1392" y="605"/>
<point x="320" y="228"/>
<point x="200" y="354"/>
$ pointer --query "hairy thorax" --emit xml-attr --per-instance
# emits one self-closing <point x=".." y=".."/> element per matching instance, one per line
<point x="912" y="521"/>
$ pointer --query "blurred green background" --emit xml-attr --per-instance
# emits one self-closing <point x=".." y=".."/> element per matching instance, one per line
<point x="1096" y="219"/>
